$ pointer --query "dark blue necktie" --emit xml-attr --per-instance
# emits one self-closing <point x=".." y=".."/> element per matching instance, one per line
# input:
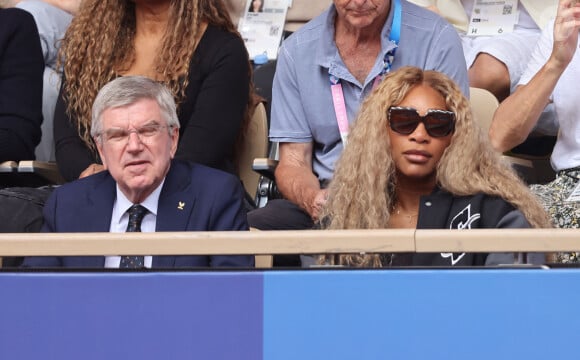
<point x="136" y="214"/>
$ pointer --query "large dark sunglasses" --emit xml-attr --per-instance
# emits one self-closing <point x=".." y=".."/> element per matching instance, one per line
<point x="404" y="120"/>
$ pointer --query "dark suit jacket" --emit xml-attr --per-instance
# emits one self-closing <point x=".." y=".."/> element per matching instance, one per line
<point x="212" y="202"/>
<point x="21" y="71"/>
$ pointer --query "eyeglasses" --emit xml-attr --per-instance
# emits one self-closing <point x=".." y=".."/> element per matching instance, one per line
<point x="404" y="120"/>
<point x="121" y="136"/>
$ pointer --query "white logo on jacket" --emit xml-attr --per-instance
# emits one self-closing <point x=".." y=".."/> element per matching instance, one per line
<point x="461" y="221"/>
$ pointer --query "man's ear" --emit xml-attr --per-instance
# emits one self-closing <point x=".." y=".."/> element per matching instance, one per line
<point x="100" y="150"/>
<point x="174" y="140"/>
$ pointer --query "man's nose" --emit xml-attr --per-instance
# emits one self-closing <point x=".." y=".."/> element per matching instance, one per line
<point x="134" y="142"/>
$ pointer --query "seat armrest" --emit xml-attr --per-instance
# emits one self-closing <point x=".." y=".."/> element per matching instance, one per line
<point x="524" y="168"/>
<point x="46" y="170"/>
<point x="8" y="167"/>
<point x="265" y="167"/>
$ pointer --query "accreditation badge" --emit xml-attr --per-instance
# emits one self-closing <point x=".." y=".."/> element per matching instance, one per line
<point x="491" y="17"/>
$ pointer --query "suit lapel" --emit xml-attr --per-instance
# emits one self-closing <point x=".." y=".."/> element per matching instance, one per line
<point x="96" y="216"/>
<point x="176" y="203"/>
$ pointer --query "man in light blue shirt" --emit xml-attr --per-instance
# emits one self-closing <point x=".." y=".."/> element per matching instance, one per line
<point x="348" y="45"/>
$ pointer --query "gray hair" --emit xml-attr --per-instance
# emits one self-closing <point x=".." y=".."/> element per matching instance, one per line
<point x="127" y="90"/>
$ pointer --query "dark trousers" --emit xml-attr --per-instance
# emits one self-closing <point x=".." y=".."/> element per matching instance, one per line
<point x="281" y="214"/>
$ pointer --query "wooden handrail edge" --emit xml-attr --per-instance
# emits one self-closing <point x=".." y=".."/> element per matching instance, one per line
<point x="290" y="242"/>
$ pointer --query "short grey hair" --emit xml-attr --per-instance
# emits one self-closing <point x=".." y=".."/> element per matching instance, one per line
<point x="127" y="90"/>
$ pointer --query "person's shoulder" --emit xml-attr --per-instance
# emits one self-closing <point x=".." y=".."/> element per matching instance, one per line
<point x="419" y="17"/>
<point x="86" y="184"/>
<point x="311" y="31"/>
<point x="14" y="12"/>
<point x="45" y="12"/>
<point x="496" y="202"/>
<point x="411" y="11"/>
<point x="478" y="199"/>
<point x="216" y="39"/>
<point x="478" y="210"/>
<point x="41" y="8"/>
<point x="77" y="193"/>
<point x="483" y="198"/>
<point x="205" y="174"/>
<point x="14" y="17"/>
<point x="487" y="203"/>
<point x="216" y="32"/>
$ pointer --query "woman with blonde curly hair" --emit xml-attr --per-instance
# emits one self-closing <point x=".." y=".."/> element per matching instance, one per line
<point x="415" y="158"/>
<point x="190" y="46"/>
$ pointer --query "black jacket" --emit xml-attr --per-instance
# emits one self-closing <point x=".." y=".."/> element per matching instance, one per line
<point x="21" y="71"/>
<point x="442" y="210"/>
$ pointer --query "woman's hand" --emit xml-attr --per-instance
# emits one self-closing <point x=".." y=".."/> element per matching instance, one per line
<point x="91" y="169"/>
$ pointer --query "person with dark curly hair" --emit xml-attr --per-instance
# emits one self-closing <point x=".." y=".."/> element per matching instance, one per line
<point x="192" y="47"/>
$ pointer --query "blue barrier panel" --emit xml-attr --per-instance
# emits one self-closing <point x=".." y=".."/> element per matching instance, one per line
<point x="131" y="316"/>
<point x="422" y="314"/>
<point x="344" y="314"/>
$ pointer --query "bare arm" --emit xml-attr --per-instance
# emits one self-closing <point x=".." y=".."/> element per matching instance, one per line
<point x="516" y="116"/>
<point x="295" y="178"/>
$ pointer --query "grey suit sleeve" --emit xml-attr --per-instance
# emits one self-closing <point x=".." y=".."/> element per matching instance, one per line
<point x="514" y="220"/>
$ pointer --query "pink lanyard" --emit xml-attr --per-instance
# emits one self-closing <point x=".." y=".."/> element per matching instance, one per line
<point x="336" y="86"/>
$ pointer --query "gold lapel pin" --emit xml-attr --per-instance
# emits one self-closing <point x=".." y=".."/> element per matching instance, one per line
<point x="180" y="205"/>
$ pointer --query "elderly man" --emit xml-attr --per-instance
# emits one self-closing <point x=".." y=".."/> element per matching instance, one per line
<point x="324" y="72"/>
<point x="135" y="129"/>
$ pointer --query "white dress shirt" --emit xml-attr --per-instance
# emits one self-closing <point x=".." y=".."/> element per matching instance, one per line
<point x="120" y="219"/>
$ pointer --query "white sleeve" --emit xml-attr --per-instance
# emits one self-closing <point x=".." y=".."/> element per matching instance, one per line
<point x="540" y="55"/>
<point x="548" y="121"/>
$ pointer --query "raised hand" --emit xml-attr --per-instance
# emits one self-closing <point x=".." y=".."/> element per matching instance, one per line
<point x="566" y="29"/>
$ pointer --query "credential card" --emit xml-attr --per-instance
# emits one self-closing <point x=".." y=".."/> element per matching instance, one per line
<point x="491" y="17"/>
<point x="262" y="26"/>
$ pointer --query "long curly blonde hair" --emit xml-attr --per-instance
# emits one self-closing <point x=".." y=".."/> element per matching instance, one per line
<point x="99" y="45"/>
<point x="362" y="193"/>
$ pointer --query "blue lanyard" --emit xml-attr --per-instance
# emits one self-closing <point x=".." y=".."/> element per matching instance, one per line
<point x="394" y="37"/>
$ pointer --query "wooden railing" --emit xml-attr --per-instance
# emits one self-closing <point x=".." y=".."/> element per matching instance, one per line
<point x="290" y="242"/>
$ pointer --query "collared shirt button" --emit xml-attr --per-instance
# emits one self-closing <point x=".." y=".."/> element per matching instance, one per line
<point x="428" y="203"/>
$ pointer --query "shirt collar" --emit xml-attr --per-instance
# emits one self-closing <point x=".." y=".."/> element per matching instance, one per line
<point x="122" y="204"/>
<point x="329" y="56"/>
